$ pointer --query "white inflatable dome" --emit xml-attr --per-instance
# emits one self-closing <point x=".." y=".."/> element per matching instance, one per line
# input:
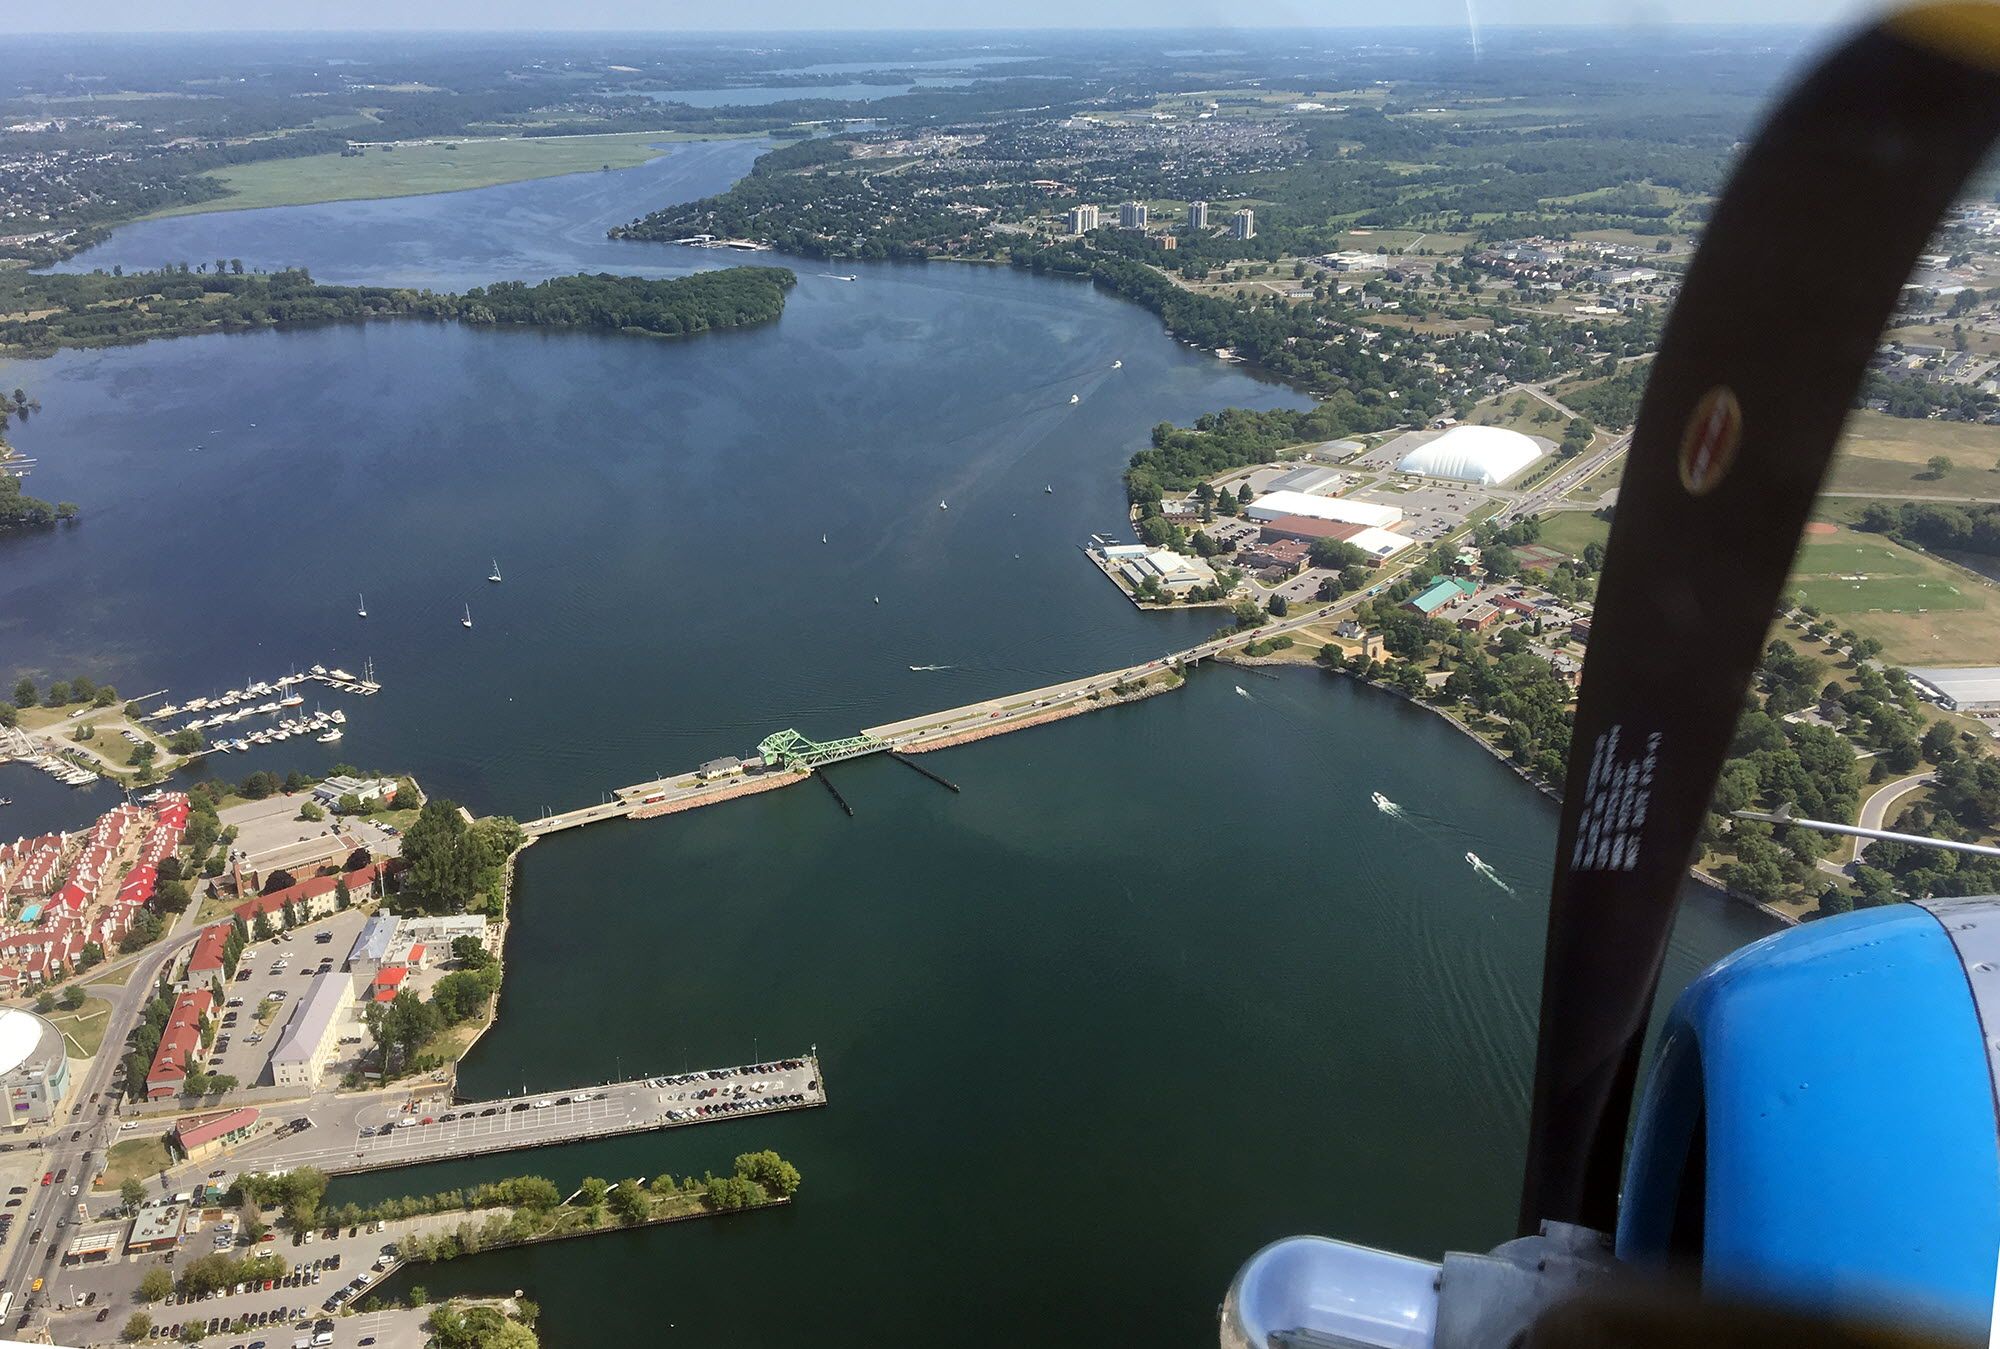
<point x="1476" y="454"/>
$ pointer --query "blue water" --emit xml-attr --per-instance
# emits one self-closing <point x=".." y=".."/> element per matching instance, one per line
<point x="657" y="506"/>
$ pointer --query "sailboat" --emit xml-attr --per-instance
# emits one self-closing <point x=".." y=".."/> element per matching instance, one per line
<point x="1118" y="365"/>
<point x="466" y="622"/>
<point x="943" y="507"/>
<point x="822" y="538"/>
<point x="1076" y="398"/>
<point x="363" y="610"/>
<point x="1050" y="489"/>
<point x="495" y="576"/>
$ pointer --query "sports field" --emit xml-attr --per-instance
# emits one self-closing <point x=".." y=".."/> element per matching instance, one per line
<point x="414" y="168"/>
<point x="1849" y="573"/>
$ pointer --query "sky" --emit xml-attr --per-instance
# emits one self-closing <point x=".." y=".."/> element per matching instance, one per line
<point x="129" y="16"/>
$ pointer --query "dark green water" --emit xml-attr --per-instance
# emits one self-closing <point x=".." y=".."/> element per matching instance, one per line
<point x="1159" y="986"/>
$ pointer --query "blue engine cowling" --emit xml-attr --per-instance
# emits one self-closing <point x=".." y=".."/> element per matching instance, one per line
<point x="1820" y="1126"/>
<point x="1819" y="1130"/>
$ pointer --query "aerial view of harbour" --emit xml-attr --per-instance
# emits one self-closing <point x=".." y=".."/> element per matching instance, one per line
<point x="418" y="614"/>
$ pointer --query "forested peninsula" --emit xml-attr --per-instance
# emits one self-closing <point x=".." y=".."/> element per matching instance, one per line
<point x="44" y="313"/>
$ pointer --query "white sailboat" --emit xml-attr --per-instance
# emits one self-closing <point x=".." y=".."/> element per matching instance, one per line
<point x="495" y="575"/>
<point x="1076" y="398"/>
<point x="943" y="507"/>
<point x="363" y="610"/>
<point x="1118" y="365"/>
<point x="466" y="622"/>
<point x="822" y="538"/>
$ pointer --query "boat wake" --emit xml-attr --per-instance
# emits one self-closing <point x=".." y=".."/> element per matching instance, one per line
<point x="1388" y="807"/>
<point x="933" y="667"/>
<point x="1478" y="864"/>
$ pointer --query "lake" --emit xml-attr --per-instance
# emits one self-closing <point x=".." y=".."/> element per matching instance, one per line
<point x="1159" y="986"/>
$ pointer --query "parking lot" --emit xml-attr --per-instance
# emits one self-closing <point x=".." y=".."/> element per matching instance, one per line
<point x="291" y="1309"/>
<point x="408" y="1130"/>
<point x="281" y="970"/>
<point x="270" y="834"/>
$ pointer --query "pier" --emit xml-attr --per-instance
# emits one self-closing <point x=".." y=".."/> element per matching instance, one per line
<point x="353" y="1134"/>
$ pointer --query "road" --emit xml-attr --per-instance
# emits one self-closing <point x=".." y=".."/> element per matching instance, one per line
<point x="78" y="1115"/>
<point x="1545" y="493"/>
<point x="1876" y="808"/>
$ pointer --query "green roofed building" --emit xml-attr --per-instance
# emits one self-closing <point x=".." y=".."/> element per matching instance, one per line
<point x="1434" y="599"/>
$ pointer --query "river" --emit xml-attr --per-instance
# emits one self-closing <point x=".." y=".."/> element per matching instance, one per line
<point x="1160" y="985"/>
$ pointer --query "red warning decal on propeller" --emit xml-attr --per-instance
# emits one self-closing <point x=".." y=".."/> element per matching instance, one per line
<point x="1708" y="446"/>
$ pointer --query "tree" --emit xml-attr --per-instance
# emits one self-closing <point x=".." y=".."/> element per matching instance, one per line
<point x="138" y="1326"/>
<point x="72" y="998"/>
<point x="770" y="1170"/>
<point x="628" y="1201"/>
<point x="133" y="1194"/>
<point x="593" y="1192"/>
<point x="1937" y="466"/>
<point x="471" y="952"/>
<point x="157" y="1281"/>
<point x="1279" y="606"/>
<point x="24" y="692"/>
<point x="309" y="809"/>
<point x="58" y="694"/>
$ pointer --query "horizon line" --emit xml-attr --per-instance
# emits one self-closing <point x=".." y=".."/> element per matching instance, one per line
<point x="1650" y="24"/>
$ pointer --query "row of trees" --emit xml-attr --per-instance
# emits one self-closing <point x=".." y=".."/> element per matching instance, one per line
<point x="106" y="308"/>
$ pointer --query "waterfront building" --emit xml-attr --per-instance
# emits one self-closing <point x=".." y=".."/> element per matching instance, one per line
<point x="1172" y="570"/>
<point x="1082" y="219"/>
<point x="329" y="792"/>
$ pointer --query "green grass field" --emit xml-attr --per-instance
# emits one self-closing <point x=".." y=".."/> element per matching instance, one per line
<point x="1571" y="530"/>
<point x="85" y="1026"/>
<point x="416" y="168"/>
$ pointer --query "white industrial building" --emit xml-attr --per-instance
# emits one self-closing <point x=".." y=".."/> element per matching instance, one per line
<point x="1345" y="510"/>
<point x="1312" y="479"/>
<point x="1962" y="688"/>
<point x="1474" y="454"/>
<point x="1380" y="544"/>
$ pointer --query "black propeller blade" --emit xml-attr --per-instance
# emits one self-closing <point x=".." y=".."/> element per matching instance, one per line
<point x="1783" y="305"/>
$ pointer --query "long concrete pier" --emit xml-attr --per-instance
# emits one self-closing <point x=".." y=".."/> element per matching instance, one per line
<point x="790" y="763"/>
<point x="383" y="1135"/>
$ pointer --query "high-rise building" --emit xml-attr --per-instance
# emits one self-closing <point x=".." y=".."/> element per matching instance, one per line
<point x="1132" y="215"/>
<point x="1243" y="225"/>
<point x="1197" y="215"/>
<point x="1082" y="219"/>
